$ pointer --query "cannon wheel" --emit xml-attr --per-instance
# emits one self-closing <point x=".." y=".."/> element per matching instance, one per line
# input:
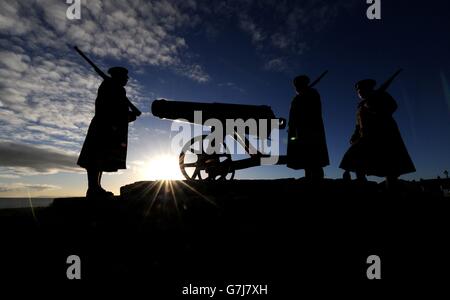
<point x="203" y="166"/>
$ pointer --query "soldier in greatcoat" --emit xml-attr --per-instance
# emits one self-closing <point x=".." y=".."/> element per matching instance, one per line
<point x="377" y="147"/>
<point x="105" y="146"/>
<point x="307" y="147"/>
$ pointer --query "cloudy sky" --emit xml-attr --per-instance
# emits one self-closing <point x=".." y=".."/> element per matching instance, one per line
<point x="237" y="51"/>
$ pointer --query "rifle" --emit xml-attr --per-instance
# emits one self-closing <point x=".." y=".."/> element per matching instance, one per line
<point x="318" y="79"/>
<point x="133" y="108"/>
<point x="388" y="82"/>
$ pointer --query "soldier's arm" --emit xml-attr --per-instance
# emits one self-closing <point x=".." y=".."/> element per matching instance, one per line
<point x="390" y="105"/>
<point x="356" y="135"/>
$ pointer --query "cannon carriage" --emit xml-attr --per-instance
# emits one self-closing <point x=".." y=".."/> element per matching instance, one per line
<point x="197" y="161"/>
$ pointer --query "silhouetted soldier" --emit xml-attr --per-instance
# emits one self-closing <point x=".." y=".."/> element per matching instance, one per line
<point x="307" y="147"/>
<point x="377" y="147"/>
<point x="105" y="146"/>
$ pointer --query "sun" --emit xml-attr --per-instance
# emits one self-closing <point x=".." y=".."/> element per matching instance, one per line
<point x="162" y="167"/>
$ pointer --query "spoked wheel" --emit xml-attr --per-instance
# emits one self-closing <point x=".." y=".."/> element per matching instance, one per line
<point x="197" y="164"/>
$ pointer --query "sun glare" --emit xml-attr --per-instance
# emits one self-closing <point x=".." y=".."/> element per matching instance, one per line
<point x="162" y="167"/>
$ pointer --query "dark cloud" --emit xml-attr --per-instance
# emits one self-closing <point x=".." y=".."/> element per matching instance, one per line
<point x="36" y="159"/>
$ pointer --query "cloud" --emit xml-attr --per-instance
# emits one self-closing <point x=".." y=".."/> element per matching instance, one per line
<point x="153" y="32"/>
<point x="9" y="176"/>
<point x="36" y="159"/>
<point x="140" y="32"/>
<point x="276" y="64"/>
<point x="250" y="27"/>
<point x="18" y="187"/>
<point x="231" y="85"/>
<point x="278" y="27"/>
<point x="195" y="72"/>
<point x="48" y="102"/>
<point x="47" y="92"/>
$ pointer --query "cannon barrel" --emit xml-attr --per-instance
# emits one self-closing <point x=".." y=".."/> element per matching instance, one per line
<point x="175" y="110"/>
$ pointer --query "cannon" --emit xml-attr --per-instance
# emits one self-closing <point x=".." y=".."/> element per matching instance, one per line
<point x="184" y="110"/>
<point x="195" y="161"/>
<point x="176" y="110"/>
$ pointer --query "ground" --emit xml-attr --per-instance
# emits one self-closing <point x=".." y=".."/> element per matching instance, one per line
<point x="284" y="233"/>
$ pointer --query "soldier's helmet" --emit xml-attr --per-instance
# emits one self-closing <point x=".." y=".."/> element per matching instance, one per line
<point x="301" y="81"/>
<point x="118" y="71"/>
<point x="366" y="84"/>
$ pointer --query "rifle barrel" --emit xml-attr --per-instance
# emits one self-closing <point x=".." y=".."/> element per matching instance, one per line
<point x="97" y="69"/>
<point x="388" y="82"/>
<point x="318" y="79"/>
<point x="135" y="110"/>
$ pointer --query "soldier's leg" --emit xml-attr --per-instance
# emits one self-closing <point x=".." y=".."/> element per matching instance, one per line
<point x="314" y="173"/>
<point x="308" y="173"/>
<point x="347" y="176"/>
<point x="93" y="175"/>
<point x="361" y="176"/>
<point x="318" y="173"/>
<point x="391" y="182"/>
